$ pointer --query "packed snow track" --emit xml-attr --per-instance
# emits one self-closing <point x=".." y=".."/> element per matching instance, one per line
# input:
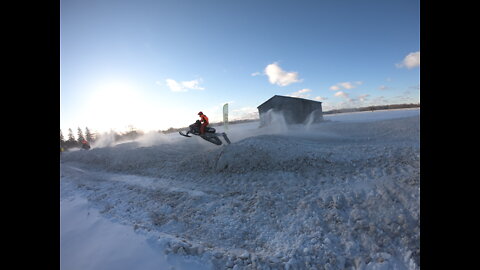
<point x="334" y="195"/>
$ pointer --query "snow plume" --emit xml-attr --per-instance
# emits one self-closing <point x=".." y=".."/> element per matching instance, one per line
<point x="152" y="138"/>
<point x="310" y="120"/>
<point x="274" y="122"/>
<point x="107" y="139"/>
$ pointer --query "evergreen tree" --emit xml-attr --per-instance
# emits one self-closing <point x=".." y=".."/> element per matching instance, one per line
<point x="71" y="142"/>
<point x="88" y="135"/>
<point x="80" y="137"/>
<point x="70" y="135"/>
<point x="62" y="139"/>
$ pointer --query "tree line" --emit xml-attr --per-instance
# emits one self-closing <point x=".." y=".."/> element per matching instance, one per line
<point x="73" y="141"/>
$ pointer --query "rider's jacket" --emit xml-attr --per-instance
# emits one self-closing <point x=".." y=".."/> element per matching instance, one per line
<point x="204" y="119"/>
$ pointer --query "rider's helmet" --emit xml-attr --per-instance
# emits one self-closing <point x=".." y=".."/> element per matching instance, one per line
<point x="200" y="113"/>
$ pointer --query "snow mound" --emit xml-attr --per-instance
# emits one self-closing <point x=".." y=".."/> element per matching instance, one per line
<point x="317" y="149"/>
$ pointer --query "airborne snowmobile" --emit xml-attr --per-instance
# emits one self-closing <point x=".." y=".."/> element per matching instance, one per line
<point x="209" y="134"/>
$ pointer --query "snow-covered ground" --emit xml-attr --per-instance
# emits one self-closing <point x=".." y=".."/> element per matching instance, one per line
<point x="342" y="194"/>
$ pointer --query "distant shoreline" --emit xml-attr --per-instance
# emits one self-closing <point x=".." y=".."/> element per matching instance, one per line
<point x="374" y="108"/>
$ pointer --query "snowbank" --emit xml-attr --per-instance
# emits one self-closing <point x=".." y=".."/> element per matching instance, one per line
<point x="341" y="194"/>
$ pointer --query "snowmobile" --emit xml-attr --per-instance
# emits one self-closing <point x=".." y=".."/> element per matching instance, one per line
<point x="85" y="146"/>
<point x="209" y="134"/>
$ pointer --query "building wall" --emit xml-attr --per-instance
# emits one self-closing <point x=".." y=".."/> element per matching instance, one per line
<point x="294" y="110"/>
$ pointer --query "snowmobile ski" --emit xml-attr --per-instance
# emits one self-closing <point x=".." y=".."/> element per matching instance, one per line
<point x="211" y="138"/>
<point x="186" y="135"/>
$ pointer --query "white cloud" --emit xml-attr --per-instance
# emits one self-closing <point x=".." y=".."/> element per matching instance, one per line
<point x="175" y="86"/>
<point x="276" y="75"/>
<point x="194" y="84"/>
<point x="345" y="85"/>
<point x="256" y="74"/>
<point x="410" y="61"/>
<point x="306" y="90"/>
<point x="301" y="93"/>
<point x="319" y="98"/>
<point x="383" y="87"/>
<point x="183" y="86"/>
<point x="350" y="102"/>
<point x="335" y="88"/>
<point x="368" y="100"/>
<point x="244" y="113"/>
<point x="341" y="94"/>
<point x="363" y="98"/>
<point x="381" y="100"/>
<point x="415" y="87"/>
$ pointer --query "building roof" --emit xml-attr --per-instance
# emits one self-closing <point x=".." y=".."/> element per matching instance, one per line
<point x="287" y="98"/>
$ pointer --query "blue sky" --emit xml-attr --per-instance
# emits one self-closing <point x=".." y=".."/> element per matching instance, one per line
<point x="155" y="64"/>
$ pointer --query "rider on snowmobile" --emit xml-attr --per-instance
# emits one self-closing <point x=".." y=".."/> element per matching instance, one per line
<point x="85" y="145"/>
<point x="199" y="128"/>
<point x="204" y="121"/>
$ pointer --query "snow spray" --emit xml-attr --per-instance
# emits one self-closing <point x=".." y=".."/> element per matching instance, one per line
<point x="152" y="138"/>
<point x="274" y="121"/>
<point x="107" y="139"/>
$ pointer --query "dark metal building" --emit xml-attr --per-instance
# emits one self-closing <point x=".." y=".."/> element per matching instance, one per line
<point x="294" y="110"/>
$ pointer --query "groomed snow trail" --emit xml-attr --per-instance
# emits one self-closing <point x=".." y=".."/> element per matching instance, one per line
<point x="335" y="195"/>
